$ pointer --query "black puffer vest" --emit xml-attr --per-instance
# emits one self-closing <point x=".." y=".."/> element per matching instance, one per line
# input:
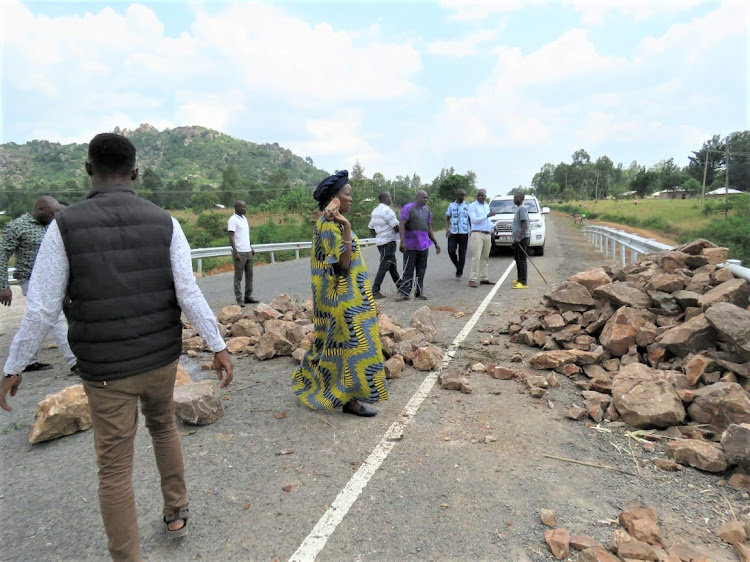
<point x="123" y="314"/>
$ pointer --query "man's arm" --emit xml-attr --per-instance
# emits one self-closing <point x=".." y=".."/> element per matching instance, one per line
<point x="448" y="220"/>
<point x="194" y="305"/>
<point x="8" y="246"/>
<point x="402" y="234"/>
<point x="477" y="213"/>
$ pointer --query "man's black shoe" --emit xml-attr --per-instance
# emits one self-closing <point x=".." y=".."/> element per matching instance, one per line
<point x="378" y="295"/>
<point x="37" y="366"/>
<point x="240" y="303"/>
<point x="251" y="300"/>
<point x="357" y="408"/>
<point x="73" y="370"/>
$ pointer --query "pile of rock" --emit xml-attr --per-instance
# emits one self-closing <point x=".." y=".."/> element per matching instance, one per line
<point x="284" y="327"/>
<point x="663" y="342"/>
<point x="639" y="539"/>
<point x="280" y="328"/>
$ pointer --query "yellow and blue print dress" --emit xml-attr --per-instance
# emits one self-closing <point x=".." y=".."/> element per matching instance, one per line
<point x="345" y="360"/>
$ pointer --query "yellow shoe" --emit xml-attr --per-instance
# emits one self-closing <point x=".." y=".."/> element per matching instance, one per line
<point x="515" y="282"/>
<point x="520" y="286"/>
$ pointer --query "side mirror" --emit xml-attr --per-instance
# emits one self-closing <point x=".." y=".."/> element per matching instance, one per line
<point x="545" y="210"/>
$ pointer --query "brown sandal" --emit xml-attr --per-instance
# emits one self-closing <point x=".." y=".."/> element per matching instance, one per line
<point x="176" y="515"/>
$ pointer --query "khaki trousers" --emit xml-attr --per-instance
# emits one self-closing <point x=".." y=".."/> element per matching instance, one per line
<point x="481" y="243"/>
<point x="114" y="413"/>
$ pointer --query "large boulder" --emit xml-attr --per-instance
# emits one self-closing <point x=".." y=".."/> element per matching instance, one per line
<point x="620" y="294"/>
<point x="569" y="295"/>
<point x="591" y="278"/>
<point x="666" y="282"/>
<point x="620" y="331"/>
<point x="645" y="397"/>
<point x="271" y="344"/>
<point x="735" y="291"/>
<point x="694" y="335"/>
<point x="733" y="325"/>
<point x="424" y="323"/>
<point x="698" y="454"/>
<point x="720" y="404"/>
<point x="59" y="414"/>
<point x="736" y="443"/>
<point x="198" y="403"/>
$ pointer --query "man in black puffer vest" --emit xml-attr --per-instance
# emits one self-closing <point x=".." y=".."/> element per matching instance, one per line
<point x="125" y="266"/>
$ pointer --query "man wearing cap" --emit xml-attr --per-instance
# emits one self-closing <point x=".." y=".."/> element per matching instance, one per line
<point x="481" y="239"/>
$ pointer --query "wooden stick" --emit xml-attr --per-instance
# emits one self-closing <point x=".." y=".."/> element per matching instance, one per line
<point x="730" y="507"/>
<point x="584" y="463"/>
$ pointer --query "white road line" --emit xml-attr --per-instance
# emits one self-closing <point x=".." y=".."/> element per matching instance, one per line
<point x="324" y="528"/>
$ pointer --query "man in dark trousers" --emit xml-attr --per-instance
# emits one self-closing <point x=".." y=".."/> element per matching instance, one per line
<point x="415" y="229"/>
<point x="242" y="253"/>
<point x="521" y="237"/>
<point x="457" y="227"/>
<point x="125" y="265"/>
<point x="383" y="227"/>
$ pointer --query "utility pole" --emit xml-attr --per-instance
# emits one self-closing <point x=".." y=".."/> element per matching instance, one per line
<point x="596" y="188"/>
<point x="705" y="171"/>
<point x="726" y="181"/>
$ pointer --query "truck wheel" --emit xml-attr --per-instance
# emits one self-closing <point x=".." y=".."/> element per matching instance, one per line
<point x="539" y="251"/>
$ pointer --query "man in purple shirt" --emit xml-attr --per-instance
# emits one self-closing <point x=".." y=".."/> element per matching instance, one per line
<point x="415" y="230"/>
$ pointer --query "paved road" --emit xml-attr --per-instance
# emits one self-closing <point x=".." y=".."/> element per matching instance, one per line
<point x="419" y="490"/>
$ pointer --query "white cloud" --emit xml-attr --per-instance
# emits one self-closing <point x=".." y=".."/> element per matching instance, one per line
<point x="464" y="47"/>
<point x="595" y="11"/>
<point x="481" y="9"/>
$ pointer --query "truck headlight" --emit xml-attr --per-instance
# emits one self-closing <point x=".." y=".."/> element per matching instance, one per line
<point x="535" y="225"/>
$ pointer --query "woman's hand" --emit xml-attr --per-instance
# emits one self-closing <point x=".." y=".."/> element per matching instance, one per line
<point x="338" y="218"/>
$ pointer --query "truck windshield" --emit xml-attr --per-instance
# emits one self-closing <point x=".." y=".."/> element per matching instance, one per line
<point x="508" y="206"/>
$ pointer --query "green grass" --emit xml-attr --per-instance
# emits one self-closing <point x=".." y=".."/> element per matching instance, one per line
<point x="682" y="220"/>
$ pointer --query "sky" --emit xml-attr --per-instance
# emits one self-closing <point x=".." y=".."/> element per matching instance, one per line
<point x="498" y="87"/>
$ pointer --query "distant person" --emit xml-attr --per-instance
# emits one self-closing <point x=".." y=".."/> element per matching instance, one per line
<point x="22" y="238"/>
<point x="125" y="265"/>
<point x="457" y="228"/>
<point x="415" y="232"/>
<point x="481" y="239"/>
<point x="384" y="228"/>
<point x="344" y="366"/>
<point x="242" y="253"/>
<point x="521" y="237"/>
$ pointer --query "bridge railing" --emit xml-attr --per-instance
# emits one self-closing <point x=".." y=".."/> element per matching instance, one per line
<point x="618" y="244"/>
<point x="202" y="253"/>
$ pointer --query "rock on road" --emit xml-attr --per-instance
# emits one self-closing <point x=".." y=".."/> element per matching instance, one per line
<point x="442" y="493"/>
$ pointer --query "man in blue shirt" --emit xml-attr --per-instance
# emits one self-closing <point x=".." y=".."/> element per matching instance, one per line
<point x="481" y="239"/>
<point x="457" y="231"/>
<point x="521" y="234"/>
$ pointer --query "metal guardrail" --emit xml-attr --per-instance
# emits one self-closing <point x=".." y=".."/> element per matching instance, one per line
<point x="612" y="241"/>
<point x="201" y="253"/>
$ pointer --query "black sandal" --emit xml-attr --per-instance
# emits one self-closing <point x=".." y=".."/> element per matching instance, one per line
<point x="357" y="408"/>
<point x="176" y="515"/>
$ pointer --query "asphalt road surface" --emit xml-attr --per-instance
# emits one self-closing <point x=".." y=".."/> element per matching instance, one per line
<point x="437" y="475"/>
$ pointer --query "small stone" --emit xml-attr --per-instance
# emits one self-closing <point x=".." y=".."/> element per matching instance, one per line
<point x="732" y="532"/>
<point x="547" y="517"/>
<point x="558" y="541"/>
<point x="667" y="465"/>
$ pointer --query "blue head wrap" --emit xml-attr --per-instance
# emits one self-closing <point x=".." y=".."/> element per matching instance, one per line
<point x="329" y="187"/>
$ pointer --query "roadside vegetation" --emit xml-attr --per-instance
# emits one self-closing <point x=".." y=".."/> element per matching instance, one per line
<point x="724" y="221"/>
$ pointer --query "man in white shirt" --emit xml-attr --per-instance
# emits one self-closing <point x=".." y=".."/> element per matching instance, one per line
<point x="384" y="228"/>
<point x="124" y="266"/>
<point x="242" y="253"/>
<point x="481" y="239"/>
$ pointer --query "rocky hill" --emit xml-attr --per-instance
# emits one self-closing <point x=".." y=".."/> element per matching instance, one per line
<point x="194" y="153"/>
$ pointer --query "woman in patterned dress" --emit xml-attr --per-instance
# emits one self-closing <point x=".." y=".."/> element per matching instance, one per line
<point x="344" y="366"/>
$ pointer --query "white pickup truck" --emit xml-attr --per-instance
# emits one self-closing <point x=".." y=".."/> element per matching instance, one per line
<point x="505" y="208"/>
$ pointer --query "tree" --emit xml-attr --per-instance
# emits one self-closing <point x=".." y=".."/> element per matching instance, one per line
<point x="152" y="187"/>
<point x="709" y="158"/>
<point x="739" y="160"/>
<point x="451" y="184"/>
<point x="230" y="182"/>
<point x="643" y="182"/>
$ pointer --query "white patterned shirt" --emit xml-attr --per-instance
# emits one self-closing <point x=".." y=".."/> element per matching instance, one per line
<point x="383" y="221"/>
<point x="49" y="281"/>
